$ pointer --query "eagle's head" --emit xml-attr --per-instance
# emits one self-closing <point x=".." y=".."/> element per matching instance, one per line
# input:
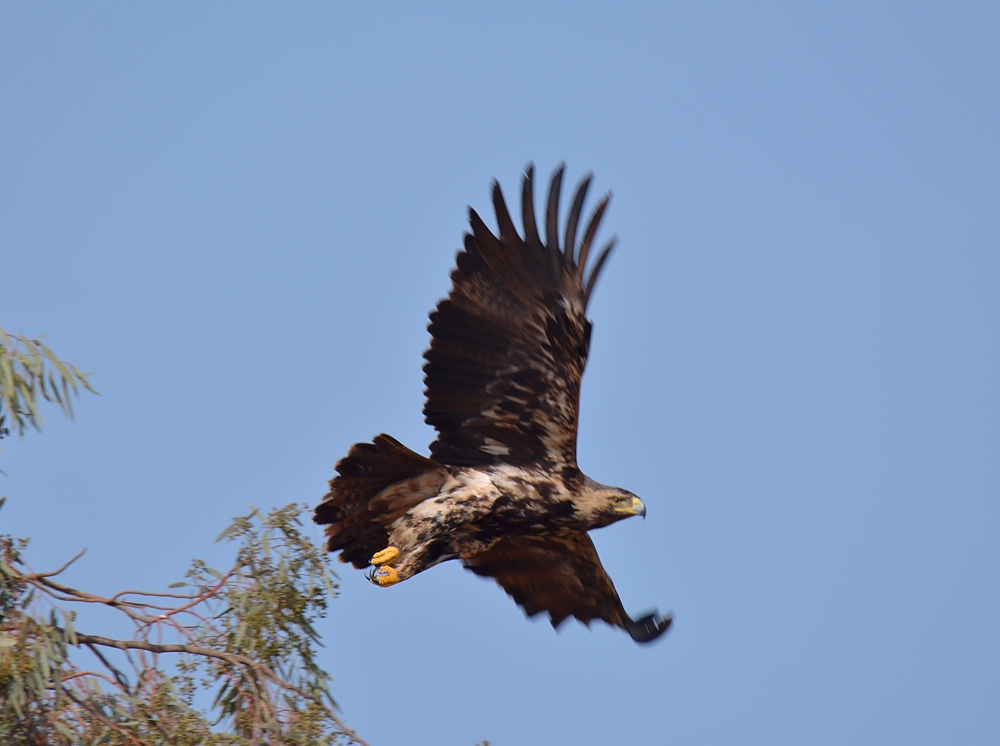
<point x="601" y="505"/>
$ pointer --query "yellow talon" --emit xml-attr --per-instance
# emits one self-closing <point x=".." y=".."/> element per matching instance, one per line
<point x="386" y="557"/>
<point x="385" y="576"/>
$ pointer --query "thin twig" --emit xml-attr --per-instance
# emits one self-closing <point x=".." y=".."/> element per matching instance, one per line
<point x="122" y="681"/>
<point x="96" y="674"/>
<point x="129" y="737"/>
<point x="28" y="577"/>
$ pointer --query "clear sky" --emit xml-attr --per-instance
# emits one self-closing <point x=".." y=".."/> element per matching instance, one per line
<point x="239" y="214"/>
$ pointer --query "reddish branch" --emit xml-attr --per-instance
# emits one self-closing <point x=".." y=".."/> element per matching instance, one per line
<point x="145" y="615"/>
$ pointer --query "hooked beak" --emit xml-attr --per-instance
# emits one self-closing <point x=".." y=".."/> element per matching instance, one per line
<point x="636" y="508"/>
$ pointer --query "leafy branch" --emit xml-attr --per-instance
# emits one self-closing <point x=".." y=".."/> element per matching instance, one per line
<point x="30" y="372"/>
<point x="247" y="634"/>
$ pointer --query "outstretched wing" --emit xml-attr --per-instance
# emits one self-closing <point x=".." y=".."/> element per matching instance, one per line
<point x="509" y="343"/>
<point x="562" y="575"/>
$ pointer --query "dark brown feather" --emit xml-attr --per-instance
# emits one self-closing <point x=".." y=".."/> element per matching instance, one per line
<point x="561" y="575"/>
<point x="508" y="349"/>
<point x="510" y="342"/>
<point x="357" y="523"/>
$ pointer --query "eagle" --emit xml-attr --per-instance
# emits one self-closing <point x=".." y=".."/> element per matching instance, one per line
<point x="501" y="490"/>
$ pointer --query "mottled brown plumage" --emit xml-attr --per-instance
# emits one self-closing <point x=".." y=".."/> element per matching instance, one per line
<point x="501" y="490"/>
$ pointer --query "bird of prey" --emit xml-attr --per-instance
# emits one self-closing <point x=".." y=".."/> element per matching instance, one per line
<point x="501" y="490"/>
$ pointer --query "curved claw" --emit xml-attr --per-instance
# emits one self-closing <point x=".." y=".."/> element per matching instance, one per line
<point x="383" y="576"/>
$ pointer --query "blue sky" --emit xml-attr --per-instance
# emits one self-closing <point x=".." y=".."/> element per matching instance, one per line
<point x="239" y="214"/>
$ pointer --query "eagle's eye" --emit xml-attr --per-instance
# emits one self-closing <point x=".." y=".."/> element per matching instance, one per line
<point x="628" y="504"/>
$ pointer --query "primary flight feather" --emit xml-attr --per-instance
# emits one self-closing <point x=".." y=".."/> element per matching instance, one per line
<point x="501" y="491"/>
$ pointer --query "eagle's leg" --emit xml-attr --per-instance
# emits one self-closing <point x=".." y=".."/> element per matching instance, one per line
<point x="386" y="557"/>
<point x="383" y="574"/>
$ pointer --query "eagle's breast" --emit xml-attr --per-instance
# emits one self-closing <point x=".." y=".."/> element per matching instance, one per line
<point x="476" y="507"/>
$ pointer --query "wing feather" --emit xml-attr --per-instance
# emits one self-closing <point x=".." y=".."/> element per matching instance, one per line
<point x="510" y="342"/>
<point x="563" y="576"/>
<point x="573" y="223"/>
<point x="552" y="214"/>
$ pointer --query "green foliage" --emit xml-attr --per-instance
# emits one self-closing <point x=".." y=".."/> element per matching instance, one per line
<point x="245" y="635"/>
<point x="29" y="372"/>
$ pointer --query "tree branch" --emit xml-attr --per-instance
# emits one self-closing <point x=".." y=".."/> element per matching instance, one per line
<point x="28" y="577"/>
<point x="233" y="658"/>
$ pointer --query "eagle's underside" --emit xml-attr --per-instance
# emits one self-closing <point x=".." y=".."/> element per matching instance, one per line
<point x="402" y="513"/>
<point x="472" y="509"/>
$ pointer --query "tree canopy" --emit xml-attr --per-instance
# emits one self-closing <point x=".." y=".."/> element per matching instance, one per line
<point x="221" y="657"/>
<point x="245" y="636"/>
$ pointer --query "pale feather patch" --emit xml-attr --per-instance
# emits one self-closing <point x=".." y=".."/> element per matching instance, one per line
<point x="494" y="448"/>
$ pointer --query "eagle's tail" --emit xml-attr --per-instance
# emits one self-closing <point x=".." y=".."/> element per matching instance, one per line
<point x="358" y="524"/>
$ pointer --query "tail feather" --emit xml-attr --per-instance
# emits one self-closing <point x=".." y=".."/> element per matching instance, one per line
<point x="357" y="528"/>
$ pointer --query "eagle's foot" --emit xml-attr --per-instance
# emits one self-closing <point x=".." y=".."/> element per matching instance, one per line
<point x="383" y="573"/>
<point x="386" y="557"/>
<point x="383" y="576"/>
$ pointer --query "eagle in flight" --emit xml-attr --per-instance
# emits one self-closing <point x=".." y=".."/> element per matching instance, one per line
<point x="501" y="491"/>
